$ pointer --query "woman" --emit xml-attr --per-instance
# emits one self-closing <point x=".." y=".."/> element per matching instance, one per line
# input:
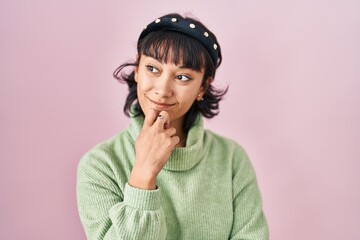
<point x="165" y="177"/>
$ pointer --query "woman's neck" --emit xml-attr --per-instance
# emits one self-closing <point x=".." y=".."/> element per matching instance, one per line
<point x="178" y="125"/>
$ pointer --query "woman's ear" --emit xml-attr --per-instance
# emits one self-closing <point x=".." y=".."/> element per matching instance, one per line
<point x="136" y="68"/>
<point x="203" y="88"/>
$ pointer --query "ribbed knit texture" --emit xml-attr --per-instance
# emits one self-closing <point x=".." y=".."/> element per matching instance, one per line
<point x="206" y="190"/>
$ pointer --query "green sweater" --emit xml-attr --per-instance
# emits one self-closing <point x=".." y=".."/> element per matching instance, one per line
<point x="206" y="190"/>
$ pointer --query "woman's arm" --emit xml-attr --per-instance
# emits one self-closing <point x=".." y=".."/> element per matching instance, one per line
<point x="133" y="212"/>
<point x="249" y="220"/>
<point x="107" y="212"/>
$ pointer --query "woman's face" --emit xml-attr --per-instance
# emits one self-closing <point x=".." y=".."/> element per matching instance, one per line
<point x="167" y="87"/>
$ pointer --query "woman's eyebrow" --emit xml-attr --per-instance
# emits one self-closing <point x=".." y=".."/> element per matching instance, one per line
<point x="158" y="60"/>
<point x="189" y="68"/>
<point x="181" y="66"/>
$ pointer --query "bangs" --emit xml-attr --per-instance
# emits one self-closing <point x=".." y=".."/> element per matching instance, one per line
<point x="174" y="47"/>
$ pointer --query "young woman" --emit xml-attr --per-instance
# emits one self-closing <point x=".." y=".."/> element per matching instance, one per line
<point x="165" y="176"/>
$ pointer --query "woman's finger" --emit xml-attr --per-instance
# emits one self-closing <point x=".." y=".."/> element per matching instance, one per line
<point x="175" y="140"/>
<point x="150" y="117"/>
<point x="171" y="131"/>
<point x="163" y="120"/>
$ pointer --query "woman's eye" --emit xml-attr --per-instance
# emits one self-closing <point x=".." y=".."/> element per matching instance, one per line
<point x="151" y="69"/>
<point x="183" y="78"/>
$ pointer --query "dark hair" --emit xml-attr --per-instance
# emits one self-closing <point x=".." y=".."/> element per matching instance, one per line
<point x="183" y="49"/>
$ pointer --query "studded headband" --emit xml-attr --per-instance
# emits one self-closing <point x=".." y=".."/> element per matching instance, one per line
<point x="187" y="27"/>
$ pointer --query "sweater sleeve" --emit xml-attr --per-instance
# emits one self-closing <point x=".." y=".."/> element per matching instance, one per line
<point x="249" y="220"/>
<point x="109" y="211"/>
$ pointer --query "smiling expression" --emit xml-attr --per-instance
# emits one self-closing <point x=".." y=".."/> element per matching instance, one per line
<point x="167" y="87"/>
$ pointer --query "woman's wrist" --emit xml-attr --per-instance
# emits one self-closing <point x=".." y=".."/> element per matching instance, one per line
<point x="142" y="179"/>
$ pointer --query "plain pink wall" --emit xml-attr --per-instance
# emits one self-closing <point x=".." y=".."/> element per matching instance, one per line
<point x="294" y="103"/>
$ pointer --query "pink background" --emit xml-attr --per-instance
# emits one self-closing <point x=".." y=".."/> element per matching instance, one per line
<point x="294" y="73"/>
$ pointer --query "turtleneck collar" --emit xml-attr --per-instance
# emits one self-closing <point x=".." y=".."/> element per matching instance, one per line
<point x="183" y="158"/>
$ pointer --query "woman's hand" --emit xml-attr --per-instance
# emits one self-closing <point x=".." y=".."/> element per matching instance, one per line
<point x="153" y="147"/>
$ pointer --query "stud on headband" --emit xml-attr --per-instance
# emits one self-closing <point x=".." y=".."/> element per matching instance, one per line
<point x="187" y="27"/>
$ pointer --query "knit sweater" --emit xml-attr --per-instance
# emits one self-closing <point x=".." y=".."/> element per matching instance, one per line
<point x="206" y="190"/>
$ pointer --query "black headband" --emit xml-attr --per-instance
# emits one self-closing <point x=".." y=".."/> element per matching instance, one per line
<point x="187" y="27"/>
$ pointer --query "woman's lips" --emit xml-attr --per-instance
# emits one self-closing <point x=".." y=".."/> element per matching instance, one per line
<point x="161" y="106"/>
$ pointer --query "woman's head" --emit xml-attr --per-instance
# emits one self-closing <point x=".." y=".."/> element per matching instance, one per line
<point x="176" y="49"/>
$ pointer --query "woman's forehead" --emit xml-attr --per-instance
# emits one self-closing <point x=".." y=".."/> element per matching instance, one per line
<point x="180" y="60"/>
<point x="160" y="61"/>
<point x="174" y="48"/>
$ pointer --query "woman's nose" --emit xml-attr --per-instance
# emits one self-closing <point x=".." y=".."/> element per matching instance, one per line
<point x="164" y="86"/>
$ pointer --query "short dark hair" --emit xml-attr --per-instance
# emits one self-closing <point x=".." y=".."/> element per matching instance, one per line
<point x="183" y="49"/>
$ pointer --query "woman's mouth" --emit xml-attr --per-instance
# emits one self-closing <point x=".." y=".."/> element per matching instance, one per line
<point x="161" y="106"/>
